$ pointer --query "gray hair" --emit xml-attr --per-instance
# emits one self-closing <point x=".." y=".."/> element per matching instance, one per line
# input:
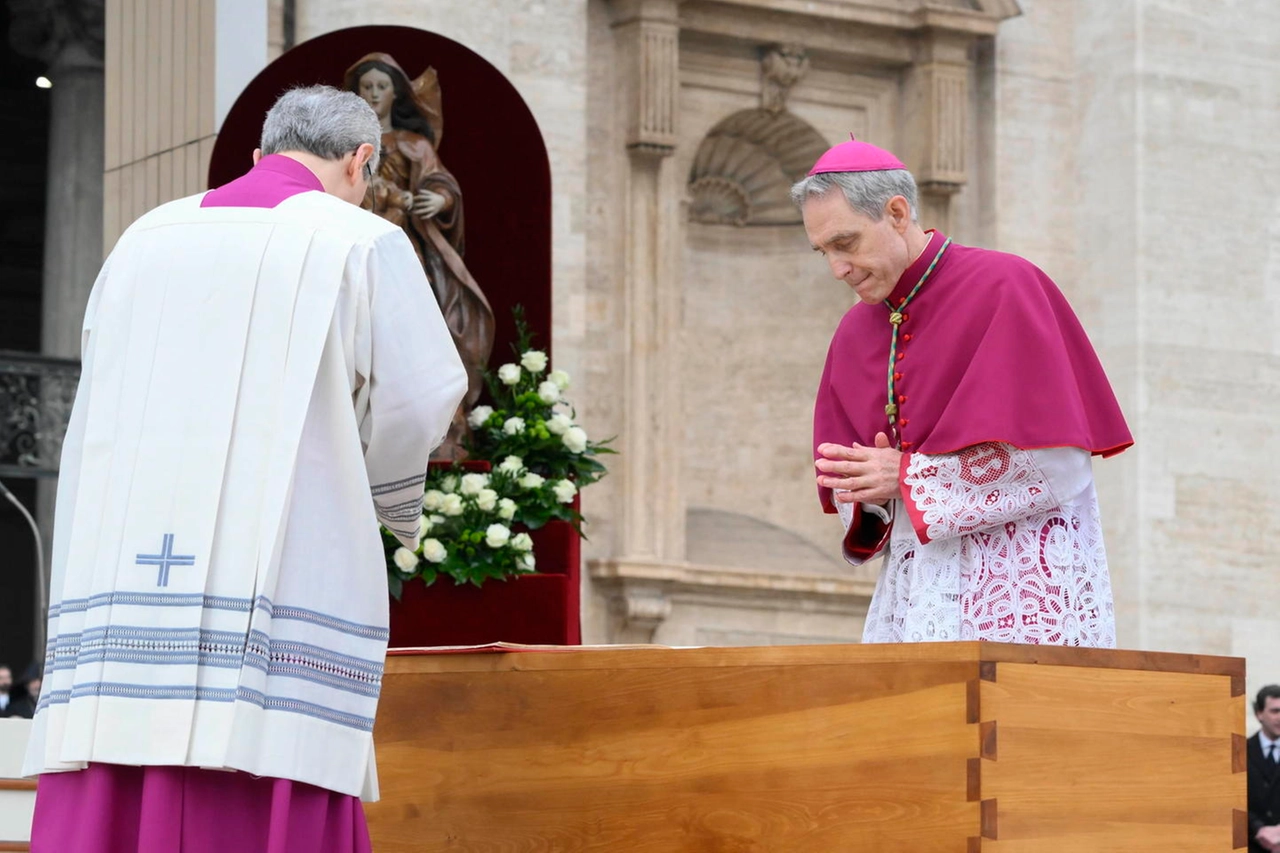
<point x="866" y="192"/>
<point x="323" y="121"/>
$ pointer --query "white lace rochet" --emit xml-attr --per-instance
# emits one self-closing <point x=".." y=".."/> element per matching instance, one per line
<point x="997" y="544"/>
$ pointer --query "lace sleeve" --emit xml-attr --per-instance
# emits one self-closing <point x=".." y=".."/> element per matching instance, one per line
<point x="987" y="485"/>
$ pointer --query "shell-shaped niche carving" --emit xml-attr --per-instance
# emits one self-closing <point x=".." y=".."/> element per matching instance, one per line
<point x="744" y="168"/>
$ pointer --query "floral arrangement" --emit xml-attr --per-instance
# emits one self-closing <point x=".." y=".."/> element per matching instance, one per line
<point x="537" y="459"/>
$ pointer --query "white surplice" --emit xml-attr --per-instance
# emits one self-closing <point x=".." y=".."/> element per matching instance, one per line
<point x="991" y="543"/>
<point x="260" y="387"/>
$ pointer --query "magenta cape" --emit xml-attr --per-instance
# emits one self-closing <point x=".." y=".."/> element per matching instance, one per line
<point x="989" y="351"/>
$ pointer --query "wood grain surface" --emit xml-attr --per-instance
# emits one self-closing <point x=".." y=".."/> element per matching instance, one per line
<point x="1096" y="760"/>
<point x="737" y="757"/>
<point x="819" y="748"/>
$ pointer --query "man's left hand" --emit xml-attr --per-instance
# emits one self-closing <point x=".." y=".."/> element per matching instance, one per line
<point x="858" y="473"/>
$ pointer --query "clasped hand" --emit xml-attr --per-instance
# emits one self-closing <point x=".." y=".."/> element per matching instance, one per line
<point x="427" y="203"/>
<point x="858" y="473"/>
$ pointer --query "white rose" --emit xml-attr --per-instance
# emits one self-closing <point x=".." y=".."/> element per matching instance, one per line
<point x="509" y="374"/>
<point x="431" y="500"/>
<point x="449" y="484"/>
<point x="534" y="361"/>
<point x="559" y="423"/>
<point x="549" y="392"/>
<point x="436" y="519"/>
<point x="512" y="465"/>
<point x="451" y="505"/>
<point x="433" y="551"/>
<point x="575" y="438"/>
<point x="506" y="509"/>
<point x="526" y="561"/>
<point x="532" y="480"/>
<point x="522" y="542"/>
<point x="426" y="525"/>
<point x="565" y="490"/>
<point x="497" y="535"/>
<point x="487" y="499"/>
<point x="406" y="560"/>
<point x="513" y="426"/>
<point x="479" y="415"/>
<point x="473" y="483"/>
<point x="560" y="378"/>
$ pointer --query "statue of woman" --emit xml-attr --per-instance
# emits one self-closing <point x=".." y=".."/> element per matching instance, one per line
<point x="415" y="191"/>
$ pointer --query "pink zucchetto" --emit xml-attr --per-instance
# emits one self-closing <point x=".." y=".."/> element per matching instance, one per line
<point x="855" y="156"/>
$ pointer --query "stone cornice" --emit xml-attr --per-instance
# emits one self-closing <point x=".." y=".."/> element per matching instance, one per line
<point x="901" y="16"/>
<point x="689" y="578"/>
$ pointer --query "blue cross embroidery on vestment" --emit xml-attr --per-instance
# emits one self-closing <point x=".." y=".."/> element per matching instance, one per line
<point x="165" y="559"/>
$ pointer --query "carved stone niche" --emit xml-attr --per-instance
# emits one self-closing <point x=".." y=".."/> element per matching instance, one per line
<point x="744" y="169"/>
<point x="925" y="42"/>
<point x="745" y="166"/>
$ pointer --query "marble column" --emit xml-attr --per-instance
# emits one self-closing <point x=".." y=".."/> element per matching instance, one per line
<point x="67" y="35"/>
<point x="653" y="507"/>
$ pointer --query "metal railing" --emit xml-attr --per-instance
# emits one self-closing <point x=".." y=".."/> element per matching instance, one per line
<point x="36" y="393"/>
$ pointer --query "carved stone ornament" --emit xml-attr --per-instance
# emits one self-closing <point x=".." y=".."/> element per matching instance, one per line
<point x="47" y="29"/>
<point x="782" y="67"/>
<point x="36" y="393"/>
<point x="744" y="168"/>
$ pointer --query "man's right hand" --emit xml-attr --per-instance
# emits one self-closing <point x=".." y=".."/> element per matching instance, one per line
<point x="1269" y="837"/>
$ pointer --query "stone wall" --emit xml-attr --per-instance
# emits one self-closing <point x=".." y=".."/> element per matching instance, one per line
<point x="1135" y="163"/>
<point x="1125" y="146"/>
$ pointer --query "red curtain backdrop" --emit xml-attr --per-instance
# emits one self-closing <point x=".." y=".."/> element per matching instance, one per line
<point x="491" y="144"/>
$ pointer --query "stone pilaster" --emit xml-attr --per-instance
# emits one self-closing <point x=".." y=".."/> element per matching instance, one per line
<point x="935" y="120"/>
<point x="652" y="505"/>
<point x="68" y="35"/>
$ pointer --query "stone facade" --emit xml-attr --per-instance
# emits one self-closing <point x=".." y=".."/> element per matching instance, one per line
<point x="1125" y="146"/>
<point x="1133" y="163"/>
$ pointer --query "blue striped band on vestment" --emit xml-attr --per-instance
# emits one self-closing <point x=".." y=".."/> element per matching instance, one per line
<point x="402" y="515"/>
<point x="217" y="649"/>
<point x="393" y="507"/>
<point x="207" y="694"/>
<point x="387" y="488"/>
<point x="211" y="602"/>
<point x="151" y="599"/>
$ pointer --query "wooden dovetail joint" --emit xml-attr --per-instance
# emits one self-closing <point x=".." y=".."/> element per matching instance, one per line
<point x="1239" y="829"/>
<point x="1237" y="685"/>
<point x="987" y="670"/>
<point x="988" y="808"/>
<point x="1239" y="753"/>
<point x="974" y="844"/>
<point x="972" y="701"/>
<point x="974" y="779"/>
<point x="987" y="739"/>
